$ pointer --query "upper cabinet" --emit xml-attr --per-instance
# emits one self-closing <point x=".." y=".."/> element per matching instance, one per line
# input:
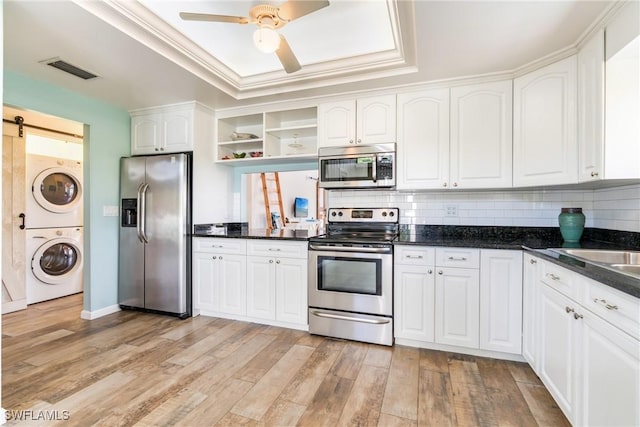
<point x="370" y="120"/>
<point x="481" y="143"/>
<point x="455" y="139"/>
<point x="167" y="129"/>
<point x="622" y="86"/>
<point x="545" y="149"/>
<point x="423" y="139"/>
<point x="277" y="135"/>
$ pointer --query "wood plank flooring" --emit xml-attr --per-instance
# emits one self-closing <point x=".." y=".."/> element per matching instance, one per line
<point x="141" y="369"/>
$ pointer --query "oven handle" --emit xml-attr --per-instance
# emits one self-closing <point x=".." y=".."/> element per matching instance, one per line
<point x="349" y="249"/>
<point x="351" y="319"/>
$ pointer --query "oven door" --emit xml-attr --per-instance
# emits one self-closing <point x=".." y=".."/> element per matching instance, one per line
<point x="345" y="171"/>
<point x="357" y="281"/>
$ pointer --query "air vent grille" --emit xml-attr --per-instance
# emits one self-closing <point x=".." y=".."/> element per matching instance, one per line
<point x="69" y="68"/>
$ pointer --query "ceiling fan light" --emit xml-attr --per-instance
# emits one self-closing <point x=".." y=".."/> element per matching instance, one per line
<point x="266" y="38"/>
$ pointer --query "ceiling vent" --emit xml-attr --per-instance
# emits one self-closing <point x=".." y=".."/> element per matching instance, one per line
<point x="69" y="68"/>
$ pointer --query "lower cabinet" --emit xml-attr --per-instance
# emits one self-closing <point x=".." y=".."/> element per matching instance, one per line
<point x="257" y="280"/>
<point x="467" y="298"/>
<point x="589" y="363"/>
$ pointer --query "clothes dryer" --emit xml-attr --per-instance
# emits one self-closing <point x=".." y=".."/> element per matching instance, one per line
<point x="54" y="263"/>
<point x="54" y="192"/>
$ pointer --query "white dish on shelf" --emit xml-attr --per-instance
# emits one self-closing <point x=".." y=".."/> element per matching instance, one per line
<point x="237" y="136"/>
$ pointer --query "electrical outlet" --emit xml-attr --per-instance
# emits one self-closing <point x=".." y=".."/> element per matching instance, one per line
<point x="451" y="210"/>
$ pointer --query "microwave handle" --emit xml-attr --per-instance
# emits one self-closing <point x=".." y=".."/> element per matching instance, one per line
<point x="374" y="174"/>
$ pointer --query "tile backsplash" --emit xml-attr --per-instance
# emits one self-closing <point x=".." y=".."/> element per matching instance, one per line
<point x="612" y="208"/>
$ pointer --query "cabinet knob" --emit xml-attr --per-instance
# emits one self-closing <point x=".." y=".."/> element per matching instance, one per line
<point x="440" y="272"/>
<point x="270" y="261"/>
<point x="455" y="184"/>
<point x="577" y="316"/>
<point x="161" y="148"/>
<point x="444" y="184"/>
<point x="220" y="257"/>
<point x="214" y="257"/>
<point x="594" y="174"/>
<point x="359" y="141"/>
<point x="569" y="309"/>
<point x="351" y="141"/>
<point x="553" y="276"/>
<point x="156" y="149"/>
<point x="278" y="262"/>
<point x="430" y="271"/>
<point x="533" y="261"/>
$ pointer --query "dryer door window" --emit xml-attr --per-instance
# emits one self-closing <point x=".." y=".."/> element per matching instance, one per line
<point x="57" y="190"/>
<point x="59" y="259"/>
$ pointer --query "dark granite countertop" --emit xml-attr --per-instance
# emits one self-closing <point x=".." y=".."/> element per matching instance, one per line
<point x="242" y="232"/>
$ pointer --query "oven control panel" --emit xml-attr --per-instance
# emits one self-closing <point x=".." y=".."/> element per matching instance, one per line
<point x="364" y="215"/>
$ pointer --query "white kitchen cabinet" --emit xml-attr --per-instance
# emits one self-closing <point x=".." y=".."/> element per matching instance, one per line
<point x="414" y="293"/>
<point x="481" y="136"/>
<point x="591" y="109"/>
<point x="530" y="298"/>
<point x="277" y="281"/>
<point x="423" y="140"/>
<point x="370" y="120"/>
<point x="219" y="276"/>
<point x="457" y="310"/>
<point x="501" y="300"/>
<point x="168" y="129"/>
<point x="545" y="147"/>
<point x="557" y="348"/>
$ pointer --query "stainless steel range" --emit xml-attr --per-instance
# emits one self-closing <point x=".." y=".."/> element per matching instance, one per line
<point x="351" y="275"/>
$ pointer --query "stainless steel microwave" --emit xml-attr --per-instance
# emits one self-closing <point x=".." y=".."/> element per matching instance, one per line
<point x="358" y="166"/>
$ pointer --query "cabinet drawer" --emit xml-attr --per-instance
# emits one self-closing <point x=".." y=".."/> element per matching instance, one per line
<point x="458" y="257"/>
<point x="414" y="255"/>
<point x="220" y="246"/>
<point x="277" y="248"/>
<point x="559" y="278"/>
<point x="619" y="309"/>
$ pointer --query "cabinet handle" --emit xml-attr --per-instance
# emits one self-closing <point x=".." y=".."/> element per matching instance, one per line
<point x="274" y="249"/>
<point x="606" y="304"/>
<point x="414" y="256"/>
<point x="278" y="262"/>
<point x="453" y="258"/>
<point x="440" y="272"/>
<point x="553" y="276"/>
<point x="217" y="246"/>
<point x="22" y="216"/>
<point x="577" y="316"/>
<point x="455" y="184"/>
<point x="430" y="271"/>
<point x="533" y="261"/>
<point x="569" y="309"/>
<point x="594" y="174"/>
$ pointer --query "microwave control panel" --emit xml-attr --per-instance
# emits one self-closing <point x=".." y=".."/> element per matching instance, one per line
<point x="384" y="167"/>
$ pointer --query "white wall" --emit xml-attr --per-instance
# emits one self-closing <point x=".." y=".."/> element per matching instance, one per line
<point x="614" y="209"/>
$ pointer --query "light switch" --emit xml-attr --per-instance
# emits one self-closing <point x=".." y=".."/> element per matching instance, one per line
<point x="108" y="210"/>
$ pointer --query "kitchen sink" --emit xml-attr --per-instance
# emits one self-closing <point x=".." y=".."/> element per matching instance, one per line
<point x="626" y="262"/>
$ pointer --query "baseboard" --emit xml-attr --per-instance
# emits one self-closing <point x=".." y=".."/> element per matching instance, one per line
<point x="90" y="315"/>
<point x="11" y="306"/>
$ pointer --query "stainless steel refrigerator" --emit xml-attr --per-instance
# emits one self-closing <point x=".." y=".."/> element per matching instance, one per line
<point x="154" y="269"/>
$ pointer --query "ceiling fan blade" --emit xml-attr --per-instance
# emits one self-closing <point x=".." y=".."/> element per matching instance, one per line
<point x="294" y="9"/>
<point x="287" y="57"/>
<point x="213" y="18"/>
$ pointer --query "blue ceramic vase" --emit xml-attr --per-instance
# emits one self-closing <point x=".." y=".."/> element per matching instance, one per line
<point x="571" y="222"/>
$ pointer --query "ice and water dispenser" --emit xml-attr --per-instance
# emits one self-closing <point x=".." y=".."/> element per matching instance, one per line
<point x="129" y="212"/>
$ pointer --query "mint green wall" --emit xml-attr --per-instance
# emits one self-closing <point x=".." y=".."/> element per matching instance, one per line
<point x="108" y="140"/>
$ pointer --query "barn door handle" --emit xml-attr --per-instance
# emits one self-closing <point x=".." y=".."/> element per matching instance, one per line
<point x="22" y="217"/>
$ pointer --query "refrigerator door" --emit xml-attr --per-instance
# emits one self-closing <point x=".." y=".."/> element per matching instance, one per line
<point x="165" y="226"/>
<point x="131" y="256"/>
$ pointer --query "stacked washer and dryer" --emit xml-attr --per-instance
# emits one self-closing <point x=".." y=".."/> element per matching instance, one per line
<point x="53" y="223"/>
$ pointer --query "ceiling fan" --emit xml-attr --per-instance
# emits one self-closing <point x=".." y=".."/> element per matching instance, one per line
<point x="269" y="18"/>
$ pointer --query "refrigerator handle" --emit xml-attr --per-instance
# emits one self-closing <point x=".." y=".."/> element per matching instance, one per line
<point x="143" y="212"/>
<point x="138" y="213"/>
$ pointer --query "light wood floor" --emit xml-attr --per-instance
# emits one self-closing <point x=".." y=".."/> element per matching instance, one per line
<point x="140" y="369"/>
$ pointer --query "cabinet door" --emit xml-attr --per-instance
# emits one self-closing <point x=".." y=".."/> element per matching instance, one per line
<point x="423" y="139"/>
<point x="609" y="375"/>
<point x="178" y="131"/>
<point x="336" y="123"/>
<point x="205" y="282"/>
<point x="557" y="347"/>
<point x="261" y="288"/>
<point x="291" y="290"/>
<point x="481" y="136"/>
<point x="457" y="307"/>
<point x="414" y="293"/>
<point x="530" y="298"/>
<point x="376" y="120"/>
<point x="501" y="301"/>
<point x="591" y="109"/>
<point x="232" y="276"/>
<point x="545" y="149"/>
<point x="146" y="133"/>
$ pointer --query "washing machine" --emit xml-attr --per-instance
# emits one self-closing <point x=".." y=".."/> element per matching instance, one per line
<point x="54" y="192"/>
<point x="54" y="263"/>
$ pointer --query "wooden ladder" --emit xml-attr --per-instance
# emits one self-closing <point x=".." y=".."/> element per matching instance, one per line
<point x="271" y="188"/>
